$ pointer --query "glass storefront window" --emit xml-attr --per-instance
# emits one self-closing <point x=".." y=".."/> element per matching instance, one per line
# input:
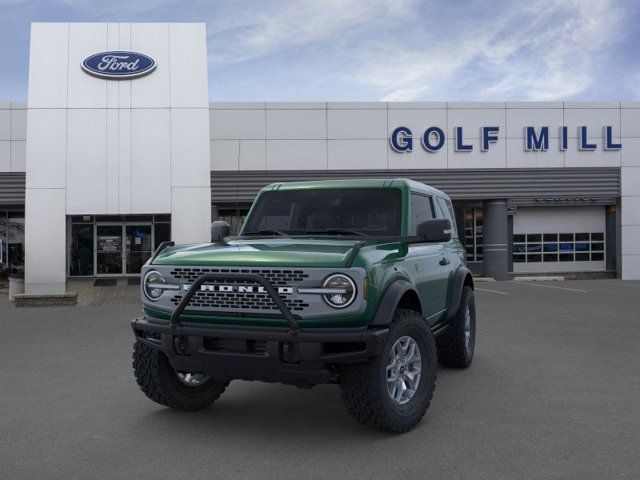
<point x="138" y="246"/>
<point x="109" y="249"/>
<point x="3" y="245"/>
<point x="81" y="250"/>
<point x="162" y="233"/>
<point x="12" y="239"/>
<point x="473" y="238"/>
<point x="234" y="219"/>
<point x="104" y="246"/>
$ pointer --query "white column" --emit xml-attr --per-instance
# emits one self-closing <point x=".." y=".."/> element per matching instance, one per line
<point x="45" y="241"/>
<point x="630" y="222"/>
<point x="630" y="191"/>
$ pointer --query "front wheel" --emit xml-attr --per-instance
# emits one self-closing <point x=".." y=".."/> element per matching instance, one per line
<point x="162" y="384"/>
<point x="393" y="390"/>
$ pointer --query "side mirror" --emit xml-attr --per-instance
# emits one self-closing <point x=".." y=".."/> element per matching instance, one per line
<point x="435" y="230"/>
<point x="219" y="230"/>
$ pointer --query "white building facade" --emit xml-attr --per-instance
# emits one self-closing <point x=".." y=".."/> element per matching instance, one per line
<point x="96" y="171"/>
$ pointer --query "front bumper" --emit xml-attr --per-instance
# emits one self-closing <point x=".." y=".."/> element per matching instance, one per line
<point x="271" y="354"/>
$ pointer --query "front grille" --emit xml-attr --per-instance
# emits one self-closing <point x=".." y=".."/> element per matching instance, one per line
<point x="226" y="298"/>
<point x="256" y="302"/>
<point x="238" y="301"/>
<point x="277" y="277"/>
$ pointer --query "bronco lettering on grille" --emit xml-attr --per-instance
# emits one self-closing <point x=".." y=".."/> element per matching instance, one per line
<point x="239" y="289"/>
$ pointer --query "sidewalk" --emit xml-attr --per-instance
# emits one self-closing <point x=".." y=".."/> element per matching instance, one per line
<point x="120" y="294"/>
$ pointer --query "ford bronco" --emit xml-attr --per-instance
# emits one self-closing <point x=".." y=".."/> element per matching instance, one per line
<point x="360" y="283"/>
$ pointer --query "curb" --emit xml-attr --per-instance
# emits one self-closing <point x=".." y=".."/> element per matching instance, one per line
<point x="539" y="279"/>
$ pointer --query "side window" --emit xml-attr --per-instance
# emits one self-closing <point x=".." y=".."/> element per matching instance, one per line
<point x="446" y="210"/>
<point x="421" y="210"/>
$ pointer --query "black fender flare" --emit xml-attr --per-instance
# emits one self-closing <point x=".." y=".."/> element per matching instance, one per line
<point x="462" y="276"/>
<point x="389" y="302"/>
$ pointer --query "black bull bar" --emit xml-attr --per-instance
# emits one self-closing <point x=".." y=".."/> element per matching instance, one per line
<point x="294" y="328"/>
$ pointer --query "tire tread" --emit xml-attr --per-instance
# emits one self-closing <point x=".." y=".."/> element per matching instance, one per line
<point x="363" y="396"/>
<point x="451" y="349"/>
<point x="148" y="365"/>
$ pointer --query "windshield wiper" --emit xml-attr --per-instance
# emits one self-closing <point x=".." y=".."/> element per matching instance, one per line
<point x="268" y="231"/>
<point x="338" y="231"/>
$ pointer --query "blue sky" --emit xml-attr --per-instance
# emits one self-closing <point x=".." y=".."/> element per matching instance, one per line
<point x="397" y="50"/>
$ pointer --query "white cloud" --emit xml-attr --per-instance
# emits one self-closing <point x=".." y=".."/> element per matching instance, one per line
<point x="562" y="57"/>
<point x="544" y="52"/>
<point x="270" y="27"/>
<point x="540" y="50"/>
<point x="102" y="7"/>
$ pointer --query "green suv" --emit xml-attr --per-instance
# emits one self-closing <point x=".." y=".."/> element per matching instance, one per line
<point x="361" y="283"/>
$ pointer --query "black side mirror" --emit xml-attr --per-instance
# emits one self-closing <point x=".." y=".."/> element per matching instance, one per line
<point x="219" y="230"/>
<point x="435" y="230"/>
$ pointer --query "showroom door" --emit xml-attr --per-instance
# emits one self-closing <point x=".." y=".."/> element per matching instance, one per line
<point x="122" y="249"/>
<point x="138" y="247"/>
<point x="109" y="249"/>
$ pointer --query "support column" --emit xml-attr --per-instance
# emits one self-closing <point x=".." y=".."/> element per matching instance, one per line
<point x="495" y="239"/>
<point x="610" y="237"/>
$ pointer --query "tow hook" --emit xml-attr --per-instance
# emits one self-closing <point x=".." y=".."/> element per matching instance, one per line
<point x="181" y="345"/>
<point x="289" y="352"/>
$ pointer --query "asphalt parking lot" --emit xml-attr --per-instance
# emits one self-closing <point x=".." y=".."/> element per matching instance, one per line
<point x="553" y="393"/>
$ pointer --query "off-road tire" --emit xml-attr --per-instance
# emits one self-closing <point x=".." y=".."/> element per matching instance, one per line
<point x="453" y="351"/>
<point x="159" y="381"/>
<point x="363" y="386"/>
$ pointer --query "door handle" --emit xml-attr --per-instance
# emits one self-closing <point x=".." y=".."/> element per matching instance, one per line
<point x="444" y="261"/>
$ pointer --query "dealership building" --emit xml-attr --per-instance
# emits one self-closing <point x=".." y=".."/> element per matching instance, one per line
<point x="118" y="148"/>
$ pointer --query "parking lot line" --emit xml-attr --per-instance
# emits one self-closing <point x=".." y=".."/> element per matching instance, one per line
<point x="492" y="291"/>
<point x="551" y="286"/>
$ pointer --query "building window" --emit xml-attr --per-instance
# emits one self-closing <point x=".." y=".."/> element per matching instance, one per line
<point x="235" y="218"/>
<point x="114" y="245"/>
<point x="473" y="221"/>
<point x="162" y="231"/>
<point x="12" y="240"/>
<point x="81" y="249"/>
<point x="558" y="247"/>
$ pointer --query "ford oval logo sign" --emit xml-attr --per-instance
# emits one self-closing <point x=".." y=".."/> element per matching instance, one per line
<point x="118" y="65"/>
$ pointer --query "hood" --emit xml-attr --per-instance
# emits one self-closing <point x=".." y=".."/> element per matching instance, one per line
<point x="281" y="252"/>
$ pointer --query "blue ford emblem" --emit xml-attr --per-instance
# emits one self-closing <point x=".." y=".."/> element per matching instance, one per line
<point x="118" y="65"/>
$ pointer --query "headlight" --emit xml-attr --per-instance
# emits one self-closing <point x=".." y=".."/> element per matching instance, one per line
<point x="344" y="290"/>
<point x="152" y="285"/>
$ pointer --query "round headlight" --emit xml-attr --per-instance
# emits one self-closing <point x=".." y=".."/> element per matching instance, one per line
<point x="150" y="285"/>
<point x="344" y="290"/>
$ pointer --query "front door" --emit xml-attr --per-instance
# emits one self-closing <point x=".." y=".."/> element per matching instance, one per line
<point x="109" y="258"/>
<point x="122" y="249"/>
<point x="139" y="247"/>
<point x="431" y="277"/>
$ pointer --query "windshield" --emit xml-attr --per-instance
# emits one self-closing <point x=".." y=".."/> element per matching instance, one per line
<point x="332" y="211"/>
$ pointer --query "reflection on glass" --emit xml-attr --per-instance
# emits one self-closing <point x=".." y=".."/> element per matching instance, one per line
<point x="139" y="247"/>
<point x="81" y="249"/>
<point x="162" y="233"/>
<point x="571" y="247"/>
<point x="109" y="249"/>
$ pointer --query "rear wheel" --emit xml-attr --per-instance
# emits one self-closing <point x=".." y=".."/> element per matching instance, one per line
<point x="457" y="344"/>
<point x="162" y="384"/>
<point x="393" y="391"/>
